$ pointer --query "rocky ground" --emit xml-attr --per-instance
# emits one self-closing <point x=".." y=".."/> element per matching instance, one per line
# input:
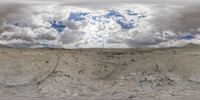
<point x="110" y="74"/>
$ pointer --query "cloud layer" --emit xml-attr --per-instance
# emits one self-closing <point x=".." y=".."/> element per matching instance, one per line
<point x="124" y="26"/>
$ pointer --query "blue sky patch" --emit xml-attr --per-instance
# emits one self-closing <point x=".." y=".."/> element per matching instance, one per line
<point x="187" y="37"/>
<point x="77" y="16"/>
<point x="125" y="24"/>
<point x="59" y="26"/>
<point x="120" y="19"/>
<point x="113" y="13"/>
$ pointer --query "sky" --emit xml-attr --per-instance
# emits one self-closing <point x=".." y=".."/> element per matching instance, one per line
<point x="82" y="2"/>
<point x="102" y="23"/>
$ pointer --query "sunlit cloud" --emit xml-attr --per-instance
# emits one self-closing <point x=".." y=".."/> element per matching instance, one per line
<point x="81" y="24"/>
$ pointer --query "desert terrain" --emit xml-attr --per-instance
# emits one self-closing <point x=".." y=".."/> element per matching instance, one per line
<point x="110" y="74"/>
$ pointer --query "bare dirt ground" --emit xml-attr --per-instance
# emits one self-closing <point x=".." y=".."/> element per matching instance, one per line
<point x="96" y="74"/>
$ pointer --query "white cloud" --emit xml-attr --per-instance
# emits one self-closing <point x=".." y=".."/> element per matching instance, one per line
<point x="30" y="26"/>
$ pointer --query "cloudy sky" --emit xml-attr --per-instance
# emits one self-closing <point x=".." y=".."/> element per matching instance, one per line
<point x="102" y="23"/>
<point x="114" y="1"/>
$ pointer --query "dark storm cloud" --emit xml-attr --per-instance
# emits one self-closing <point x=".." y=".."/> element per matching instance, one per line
<point x="182" y="20"/>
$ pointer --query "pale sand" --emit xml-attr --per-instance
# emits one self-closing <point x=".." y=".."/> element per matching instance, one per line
<point x="96" y="74"/>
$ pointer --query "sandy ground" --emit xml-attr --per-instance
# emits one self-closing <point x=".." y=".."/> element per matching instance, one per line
<point x="96" y="74"/>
